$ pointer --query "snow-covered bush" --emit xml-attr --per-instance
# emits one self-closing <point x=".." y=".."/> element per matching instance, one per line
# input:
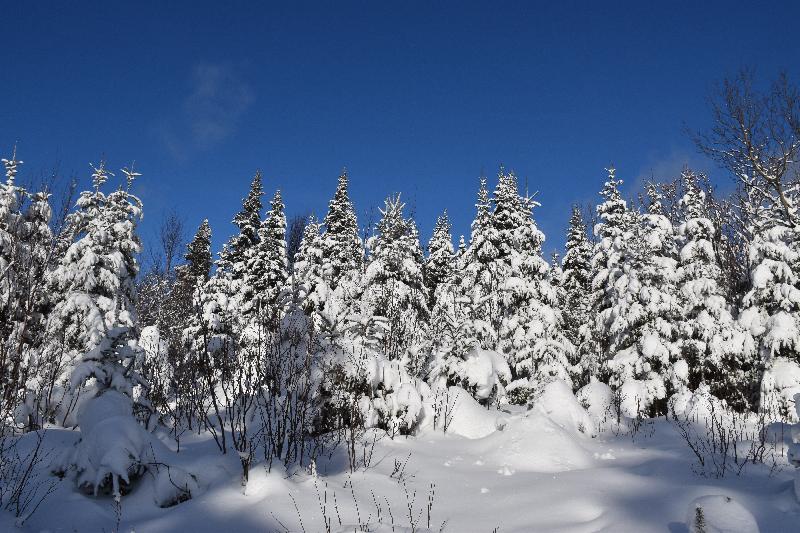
<point x="597" y="398"/>
<point x="558" y="402"/>
<point x="780" y="383"/>
<point x="114" y="448"/>
<point x="484" y="373"/>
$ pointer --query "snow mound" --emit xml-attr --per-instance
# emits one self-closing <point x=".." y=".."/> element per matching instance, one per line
<point x="719" y="514"/>
<point x="469" y="419"/>
<point x="562" y="407"/>
<point x="174" y="485"/>
<point x="535" y="443"/>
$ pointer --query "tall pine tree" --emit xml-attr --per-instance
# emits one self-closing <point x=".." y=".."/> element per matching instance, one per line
<point x="718" y="353"/>
<point x="342" y="248"/>
<point x="268" y="264"/>
<point x="394" y="287"/>
<point x="240" y="249"/>
<point x="577" y="286"/>
<point x="440" y="263"/>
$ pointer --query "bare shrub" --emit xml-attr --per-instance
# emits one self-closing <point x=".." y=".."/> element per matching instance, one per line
<point x="726" y="441"/>
<point x="24" y="483"/>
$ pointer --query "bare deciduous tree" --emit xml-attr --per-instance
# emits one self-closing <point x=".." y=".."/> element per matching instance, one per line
<point x="756" y="136"/>
<point x="172" y="234"/>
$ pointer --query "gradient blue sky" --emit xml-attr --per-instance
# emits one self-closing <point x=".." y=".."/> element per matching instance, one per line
<point x="416" y="97"/>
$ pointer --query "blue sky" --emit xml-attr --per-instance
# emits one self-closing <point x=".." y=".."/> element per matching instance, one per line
<point x="415" y="97"/>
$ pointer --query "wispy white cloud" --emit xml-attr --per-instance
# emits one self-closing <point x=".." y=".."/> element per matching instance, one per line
<point x="664" y="167"/>
<point x="209" y="113"/>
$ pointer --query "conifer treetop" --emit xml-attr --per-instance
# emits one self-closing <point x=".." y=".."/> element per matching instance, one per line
<point x="11" y="166"/>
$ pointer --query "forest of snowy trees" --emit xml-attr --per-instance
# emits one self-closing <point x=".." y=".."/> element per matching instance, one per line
<point x="297" y="336"/>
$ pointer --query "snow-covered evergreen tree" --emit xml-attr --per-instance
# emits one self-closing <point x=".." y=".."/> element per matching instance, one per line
<point x="635" y="301"/>
<point x="198" y="254"/>
<point x="98" y="315"/>
<point x="10" y="226"/>
<point x="530" y="333"/>
<point x="440" y="263"/>
<point x="659" y="295"/>
<point x="307" y="271"/>
<point x="719" y="354"/>
<point x="342" y="248"/>
<point x="25" y="246"/>
<point x="188" y="277"/>
<point x="117" y="227"/>
<point x="93" y="286"/>
<point x="478" y="280"/>
<point x="36" y="246"/>
<point x="267" y="269"/>
<point x="241" y="248"/>
<point x="511" y="303"/>
<point x="577" y="286"/>
<point x="642" y="327"/>
<point x="613" y="231"/>
<point x="771" y="308"/>
<point x="394" y="287"/>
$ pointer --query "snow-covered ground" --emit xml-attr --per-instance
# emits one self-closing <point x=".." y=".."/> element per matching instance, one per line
<point x="535" y="470"/>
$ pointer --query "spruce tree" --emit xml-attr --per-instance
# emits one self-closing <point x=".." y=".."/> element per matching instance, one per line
<point x="771" y="307"/>
<point x="109" y="360"/>
<point x="613" y="231"/>
<point x="659" y="297"/>
<point x="512" y="305"/>
<point x="307" y="271"/>
<point x="342" y="247"/>
<point x="92" y="327"/>
<point x="440" y="263"/>
<point x="268" y="266"/>
<point x="577" y="286"/>
<point x="99" y="270"/>
<point x="639" y="354"/>
<point x="531" y="336"/>
<point x="189" y="277"/>
<point x="238" y="252"/>
<point x="394" y="288"/>
<point x="478" y="281"/>
<point x="11" y="224"/>
<point x="198" y="254"/>
<point x="718" y="353"/>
